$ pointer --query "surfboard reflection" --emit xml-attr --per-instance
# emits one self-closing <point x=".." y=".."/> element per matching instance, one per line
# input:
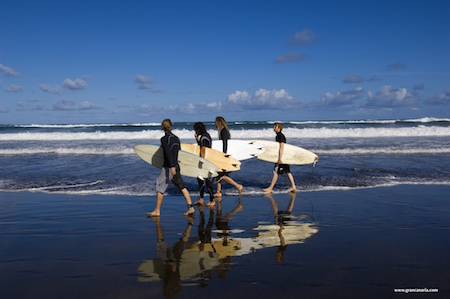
<point x="191" y="261"/>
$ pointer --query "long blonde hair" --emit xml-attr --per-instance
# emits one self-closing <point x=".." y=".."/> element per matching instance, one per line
<point x="221" y="124"/>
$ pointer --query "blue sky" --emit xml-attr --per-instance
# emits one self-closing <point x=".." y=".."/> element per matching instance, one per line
<point x="142" y="61"/>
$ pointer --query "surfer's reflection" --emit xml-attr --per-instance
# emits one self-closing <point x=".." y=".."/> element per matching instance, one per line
<point x="280" y="218"/>
<point x="166" y="266"/>
<point x="225" y="245"/>
<point x="192" y="260"/>
<point x="288" y="229"/>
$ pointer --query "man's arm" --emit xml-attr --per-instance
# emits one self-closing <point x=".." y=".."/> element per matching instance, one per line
<point x="280" y="152"/>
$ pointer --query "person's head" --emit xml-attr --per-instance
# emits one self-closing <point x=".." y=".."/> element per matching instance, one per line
<point x="199" y="128"/>
<point x="277" y="127"/>
<point x="221" y="123"/>
<point x="166" y="125"/>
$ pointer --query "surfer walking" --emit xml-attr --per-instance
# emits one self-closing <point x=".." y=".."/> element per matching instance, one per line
<point x="170" y="171"/>
<point x="204" y="141"/>
<point x="279" y="167"/>
<point x="224" y="135"/>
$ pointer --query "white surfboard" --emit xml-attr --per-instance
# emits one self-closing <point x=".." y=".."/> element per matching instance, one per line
<point x="292" y="154"/>
<point x="239" y="149"/>
<point x="190" y="165"/>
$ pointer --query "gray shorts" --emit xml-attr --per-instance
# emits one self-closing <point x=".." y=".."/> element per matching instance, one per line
<point x="165" y="176"/>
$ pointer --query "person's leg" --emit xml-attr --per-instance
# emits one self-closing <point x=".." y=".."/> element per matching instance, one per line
<point x="186" y="195"/>
<point x="157" y="211"/>
<point x="272" y="184"/>
<point x="291" y="179"/>
<point x="291" y="203"/>
<point x="201" y="187"/>
<point x="209" y="186"/>
<point x="218" y="193"/>
<point x="232" y="182"/>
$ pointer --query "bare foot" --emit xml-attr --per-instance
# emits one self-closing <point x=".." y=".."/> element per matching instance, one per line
<point x="153" y="214"/>
<point x="218" y="195"/>
<point x="267" y="190"/>
<point x="239" y="206"/>
<point x="240" y="188"/>
<point x="199" y="202"/>
<point x="211" y="204"/>
<point x="292" y="190"/>
<point x="189" y="212"/>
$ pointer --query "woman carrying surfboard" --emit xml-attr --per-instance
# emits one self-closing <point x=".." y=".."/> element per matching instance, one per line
<point x="204" y="140"/>
<point x="279" y="167"/>
<point x="224" y="135"/>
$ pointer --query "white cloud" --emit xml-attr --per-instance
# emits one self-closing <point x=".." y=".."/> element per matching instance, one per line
<point x="304" y="37"/>
<point x="239" y="97"/>
<point x="261" y="100"/>
<point x="69" y="105"/>
<point x="50" y="89"/>
<point x="13" y="88"/>
<point x="347" y="97"/>
<point x="214" y="105"/>
<point x="291" y="57"/>
<point x="78" y="84"/>
<point x="353" y="79"/>
<point x="191" y="108"/>
<point x="8" y="71"/>
<point x="389" y="97"/>
<point x="396" y="66"/>
<point x="440" y="99"/>
<point x="144" y="82"/>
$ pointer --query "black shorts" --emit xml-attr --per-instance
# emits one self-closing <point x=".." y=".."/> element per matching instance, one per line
<point x="178" y="181"/>
<point x="282" y="168"/>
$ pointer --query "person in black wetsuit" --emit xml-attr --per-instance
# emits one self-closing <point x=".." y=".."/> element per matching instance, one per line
<point x="204" y="141"/>
<point x="170" y="171"/>
<point x="279" y="167"/>
<point x="224" y="135"/>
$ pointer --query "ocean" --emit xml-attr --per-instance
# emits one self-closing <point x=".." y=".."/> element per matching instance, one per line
<point x="82" y="159"/>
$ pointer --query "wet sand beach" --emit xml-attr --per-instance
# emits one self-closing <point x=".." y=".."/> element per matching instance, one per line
<point x="362" y="243"/>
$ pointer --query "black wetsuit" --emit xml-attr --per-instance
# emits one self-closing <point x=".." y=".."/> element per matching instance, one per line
<point x="205" y="140"/>
<point x="281" y="168"/>
<point x="224" y="136"/>
<point x="170" y="144"/>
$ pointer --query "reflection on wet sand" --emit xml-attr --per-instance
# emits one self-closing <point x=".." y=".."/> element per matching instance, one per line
<point x="287" y="229"/>
<point x="191" y="260"/>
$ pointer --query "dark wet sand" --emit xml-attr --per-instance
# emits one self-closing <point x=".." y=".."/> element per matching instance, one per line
<point x="337" y="244"/>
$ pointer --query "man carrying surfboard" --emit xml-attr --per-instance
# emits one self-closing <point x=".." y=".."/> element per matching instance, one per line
<point x="170" y="171"/>
<point x="279" y="167"/>
<point x="224" y="135"/>
<point x="204" y="140"/>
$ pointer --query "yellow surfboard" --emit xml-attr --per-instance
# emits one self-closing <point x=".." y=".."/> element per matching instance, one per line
<point x="223" y="161"/>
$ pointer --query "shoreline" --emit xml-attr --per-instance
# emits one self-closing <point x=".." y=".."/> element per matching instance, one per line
<point x="358" y="243"/>
<point x="233" y="192"/>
